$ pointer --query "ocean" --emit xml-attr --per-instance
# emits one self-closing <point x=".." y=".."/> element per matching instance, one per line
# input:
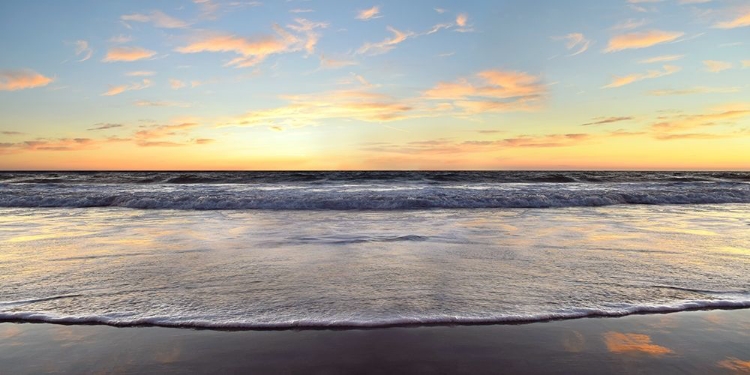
<point x="280" y="250"/>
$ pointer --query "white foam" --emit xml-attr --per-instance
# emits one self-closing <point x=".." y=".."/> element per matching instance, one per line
<point x="302" y="323"/>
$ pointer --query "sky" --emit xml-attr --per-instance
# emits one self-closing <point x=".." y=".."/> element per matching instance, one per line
<point x="375" y="85"/>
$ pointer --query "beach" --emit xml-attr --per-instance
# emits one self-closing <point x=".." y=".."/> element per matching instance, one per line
<point x="382" y="272"/>
<point x="703" y="342"/>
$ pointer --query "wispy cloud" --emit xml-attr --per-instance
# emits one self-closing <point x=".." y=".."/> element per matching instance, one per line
<point x="494" y="91"/>
<point x="255" y="50"/>
<point x="629" y="24"/>
<point x="608" y="120"/>
<point x="331" y="63"/>
<point x="575" y="41"/>
<point x="641" y="40"/>
<point x="120" y="39"/>
<point x="305" y="110"/>
<point x="696" y="90"/>
<point x="387" y="44"/>
<point x="105" y="126"/>
<point x="160" y="103"/>
<point x="715" y="66"/>
<point x="727" y="116"/>
<point x="83" y="50"/>
<point x="661" y="59"/>
<point x="742" y="20"/>
<point x="116" y="90"/>
<point x="368" y="14"/>
<point x="156" y="18"/>
<point x="176" y="84"/>
<point x="128" y="54"/>
<point x="619" y="81"/>
<point x="12" y="80"/>
<point x="140" y="73"/>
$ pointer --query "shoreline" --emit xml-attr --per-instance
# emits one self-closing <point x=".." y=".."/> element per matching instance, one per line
<point x="705" y="341"/>
<point x="345" y="326"/>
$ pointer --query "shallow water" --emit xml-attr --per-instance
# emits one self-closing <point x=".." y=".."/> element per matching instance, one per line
<point x="277" y="269"/>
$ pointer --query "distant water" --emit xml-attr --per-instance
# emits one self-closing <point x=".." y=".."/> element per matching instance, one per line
<point x="253" y="250"/>
<point x="368" y="190"/>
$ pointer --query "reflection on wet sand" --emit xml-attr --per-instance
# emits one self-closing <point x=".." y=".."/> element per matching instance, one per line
<point x="736" y="365"/>
<point x="633" y="343"/>
<point x="574" y="342"/>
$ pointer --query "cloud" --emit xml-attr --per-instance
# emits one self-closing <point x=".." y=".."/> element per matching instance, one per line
<point x="145" y="137"/>
<point x="8" y="132"/>
<point x="83" y="50"/>
<point x="158" y="19"/>
<point x="176" y="84"/>
<point x="696" y="90"/>
<point x="462" y="19"/>
<point x="385" y="45"/>
<point x="492" y="91"/>
<point x="12" y="80"/>
<point x="641" y="40"/>
<point x="440" y="10"/>
<point x="127" y="54"/>
<point x="140" y="73"/>
<point x="368" y="14"/>
<point x="746" y="63"/>
<point x="119" y="39"/>
<point x="577" y="41"/>
<point x="743" y="20"/>
<point x="204" y="141"/>
<point x="312" y="109"/>
<point x="105" y="126"/>
<point x="255" y="50"/>
<point x="714" y="66"/>
<point x="151" y="103"/>
<point x="116" y="90"/>
<point x="659" y="59"/>
<point x="629" y="24"/>
<point x="607" y="120"/>
<point x="619" y="81"/>
<point x="684" y="2"/>
<point x="725" y="116"/>
<point x="299" y="10"/>
<point x="330" y="63"/>
<point x="61" y="144"/>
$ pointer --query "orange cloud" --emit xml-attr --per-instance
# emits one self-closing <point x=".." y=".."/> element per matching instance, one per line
<point x="368" y="14"/>
<point x="714" y="66"/>
<point x="304" y="110"/>
<point x="641" y="40"/>
<point x="665" y="58"/>
<point x="651" y="74"/>
<point x="462" y="19"/>
<point x="742" y="20"/>
<point x="12" y="80"/>
<point x="128" y="54"/>
<point x="686" y="122"/>
<point x="62" y="144"/>
<point x="633" y="343"/>
<point x="696" y="90"/>
<point x="497" y="91"/>
<point x="255" y="50"/>
<point x="116" y="90"/>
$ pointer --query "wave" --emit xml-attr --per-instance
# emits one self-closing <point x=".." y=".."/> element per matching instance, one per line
<point x="373" y="197"/>
<point x="312" y="177"/>
<point x="35" y="300"/>
<point x="177" y="322"/>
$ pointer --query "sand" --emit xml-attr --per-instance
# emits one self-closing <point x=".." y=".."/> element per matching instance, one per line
<point x="698" y="342"/>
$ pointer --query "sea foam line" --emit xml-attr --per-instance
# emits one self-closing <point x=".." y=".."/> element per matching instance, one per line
<point x="173" y="322"/>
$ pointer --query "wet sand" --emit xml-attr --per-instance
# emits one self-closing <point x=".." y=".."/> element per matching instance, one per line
<point x="698" y="342"/>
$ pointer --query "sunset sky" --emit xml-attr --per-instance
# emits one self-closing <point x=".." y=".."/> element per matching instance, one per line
<point x="325" y="84"/>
